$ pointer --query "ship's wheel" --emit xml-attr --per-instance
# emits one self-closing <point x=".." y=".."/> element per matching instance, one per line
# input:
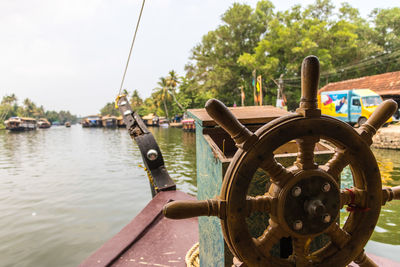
<point x="304" y="200"/>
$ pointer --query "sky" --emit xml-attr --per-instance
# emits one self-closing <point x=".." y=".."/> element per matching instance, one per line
<point x="71" y="54"/>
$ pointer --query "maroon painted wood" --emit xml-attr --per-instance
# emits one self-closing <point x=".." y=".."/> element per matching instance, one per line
<point x="150" y="238"/>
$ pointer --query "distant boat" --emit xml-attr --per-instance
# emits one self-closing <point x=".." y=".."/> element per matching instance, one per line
<point x="151" y="120"/>
<point x="163" y="122"/>
<point x="189" y="125"/>
<point x="67" y="124"/>
<point x="20" y="124"/>
<point x="121" y="122"/>
<point x="43" y="123"/>
<point x="176" y="124"/>
<point x="92" y="121"/>
<point x="109" y="121"/>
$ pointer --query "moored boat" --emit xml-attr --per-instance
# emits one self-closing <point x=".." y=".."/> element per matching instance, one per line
<point x="91" y="121"/>
<point x="151" y="120"/>
<point x="163" y="122"/>
<point x="176" y="124"/>
<point x="188" y="125"/>
<point x="109" y="121"/>
<point x="43" y="123"/>
<point x="121" y="123"/>
<point x="21" y="124"/>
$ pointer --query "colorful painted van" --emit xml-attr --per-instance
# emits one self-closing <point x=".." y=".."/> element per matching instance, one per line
<point x="352" y="106"/>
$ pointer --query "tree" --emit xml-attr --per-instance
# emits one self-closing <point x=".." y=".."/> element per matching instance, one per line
<point x="172" y="80"/>
<point x="161" y="94"/>
<point x="338" y="40"/>
<point x="109" y="109"/>
<point x="8" y="107"/>
<point x="135" y="100"/>
<point x="387" y="29"/>
<point x="213" y="69"/>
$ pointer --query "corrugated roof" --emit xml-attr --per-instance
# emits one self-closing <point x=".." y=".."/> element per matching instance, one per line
<point x="383" y="84"/>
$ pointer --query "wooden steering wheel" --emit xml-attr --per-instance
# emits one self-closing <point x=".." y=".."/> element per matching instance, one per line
<point x="304" y="200"/>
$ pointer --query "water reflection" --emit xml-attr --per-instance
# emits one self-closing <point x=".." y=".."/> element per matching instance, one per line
<point x="387" y="230"/>
<point x="179" y="151"/>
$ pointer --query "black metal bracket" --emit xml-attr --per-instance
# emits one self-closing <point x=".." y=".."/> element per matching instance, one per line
<point x="151" y="153"/>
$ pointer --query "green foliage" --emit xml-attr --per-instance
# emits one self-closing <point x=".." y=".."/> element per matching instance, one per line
<point x="213" y="69"/>
<point x="109" y="109"/>
<point x="9" y="108"/>
<point x="337" y="39"/>
<point x="274" y="44"/>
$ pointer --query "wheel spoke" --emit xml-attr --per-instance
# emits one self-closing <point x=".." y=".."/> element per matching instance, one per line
<point x="270" y="237"/>
<point x="337" y="163"/>
<point x="279" y="174"/>
<point x="305" y="155"/>
<point x="364" y="261"/>
<point x="259" y="203"/>
<point x="339" y="237"/>
<point x="354" y="198"/>
<point x="300" y="252"/>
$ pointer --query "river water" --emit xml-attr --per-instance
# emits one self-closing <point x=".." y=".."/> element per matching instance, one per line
<point x="66" y="191"/>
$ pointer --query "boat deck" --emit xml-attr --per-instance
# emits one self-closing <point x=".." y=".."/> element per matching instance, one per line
<point x="150" y="238"/>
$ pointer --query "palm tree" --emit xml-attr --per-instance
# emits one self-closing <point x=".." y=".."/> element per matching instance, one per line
<point x="162" y="93"/>
<point x="172" y="81"/>
<point x="8" y="106"/>
<point x="29" y="107"/>
<point x="135" y="100"/>
<point x="9" y="99"/>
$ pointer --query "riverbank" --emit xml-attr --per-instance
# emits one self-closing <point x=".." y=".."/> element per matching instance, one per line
<point x="388" y="137"/>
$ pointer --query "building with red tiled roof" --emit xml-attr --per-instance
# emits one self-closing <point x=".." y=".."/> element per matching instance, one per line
<point x="387" y="85"/>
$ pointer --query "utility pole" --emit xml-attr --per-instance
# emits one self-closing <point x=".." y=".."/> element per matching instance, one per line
<point x="280" y="98"/>
<point x="242" y="95"/>
<point x="254" y="87"/>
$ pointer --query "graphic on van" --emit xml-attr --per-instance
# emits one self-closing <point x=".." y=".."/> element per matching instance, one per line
<point x="334" y="104"/>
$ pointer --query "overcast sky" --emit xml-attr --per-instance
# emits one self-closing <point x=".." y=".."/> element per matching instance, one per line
<point x="70" y="54"/>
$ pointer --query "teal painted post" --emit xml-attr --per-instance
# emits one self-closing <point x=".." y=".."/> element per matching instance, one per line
<point x="213" y="251"/>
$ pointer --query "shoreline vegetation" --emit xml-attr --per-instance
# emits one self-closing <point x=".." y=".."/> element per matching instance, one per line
<point x="9" y="107"/>
<point x="259" y="49"/>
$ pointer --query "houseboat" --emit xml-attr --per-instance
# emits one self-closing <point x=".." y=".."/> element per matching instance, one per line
<point x="43" y="123"/>
<point x="176" y="122"/>
<point x="91" y="121"/>
<point x="109" y="121"/>
<point x="20" y="124"/>
<point x="268" y="191"/>
<point x="163" y="122"/>
<point x="188" y="125"/>
<point x="121" y="123"/>
<point x="151" y="120"/>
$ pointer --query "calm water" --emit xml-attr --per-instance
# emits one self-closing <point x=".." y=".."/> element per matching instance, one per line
<point x="65" y="191"/>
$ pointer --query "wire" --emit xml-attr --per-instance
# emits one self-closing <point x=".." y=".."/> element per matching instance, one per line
<point x="378" y="59"/>
<point x="130" y="51"/>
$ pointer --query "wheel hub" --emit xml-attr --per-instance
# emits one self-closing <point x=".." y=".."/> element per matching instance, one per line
<point x="309" y="203"/>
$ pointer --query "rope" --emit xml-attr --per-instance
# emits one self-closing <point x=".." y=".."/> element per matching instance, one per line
<point x="192" y="256"/>
<point x="352" y="206"/>
<point x="130" y="51"/>
<point x="150" y="177"/>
